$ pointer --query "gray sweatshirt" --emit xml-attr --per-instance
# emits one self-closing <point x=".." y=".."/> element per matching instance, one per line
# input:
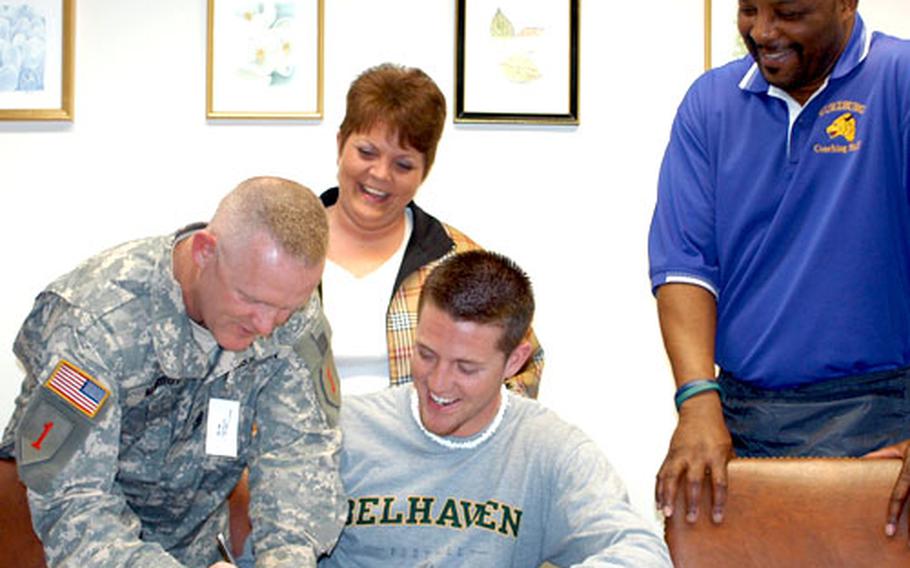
<point x="536" y="489"/>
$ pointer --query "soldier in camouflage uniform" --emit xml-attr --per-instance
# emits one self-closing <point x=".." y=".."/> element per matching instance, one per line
<point x="147" y="367"/>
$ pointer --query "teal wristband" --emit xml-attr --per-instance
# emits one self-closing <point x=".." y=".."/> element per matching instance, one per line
<point x="692" y="388"/>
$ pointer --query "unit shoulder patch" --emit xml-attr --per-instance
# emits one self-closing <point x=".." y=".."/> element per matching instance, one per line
<point x="316" y="351"/>
<point x="330" y="387"/>
<point x="56" y="424"/>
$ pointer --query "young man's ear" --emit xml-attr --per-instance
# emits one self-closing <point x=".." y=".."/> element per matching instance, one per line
<point x="203" y="247"/>
<point x="517" y="358"/>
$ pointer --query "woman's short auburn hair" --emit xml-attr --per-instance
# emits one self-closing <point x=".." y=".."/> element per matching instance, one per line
<point x="405" y="100"/>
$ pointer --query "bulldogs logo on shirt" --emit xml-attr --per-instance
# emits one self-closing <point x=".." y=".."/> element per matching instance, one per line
<point x="841" y="131"/>
<point x="843" y="126"/>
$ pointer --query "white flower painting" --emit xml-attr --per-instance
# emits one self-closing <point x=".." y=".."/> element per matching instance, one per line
<point x="267" y="51"/>
<point x="265" y="58"/>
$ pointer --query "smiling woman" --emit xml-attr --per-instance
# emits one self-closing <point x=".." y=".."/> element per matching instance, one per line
<point x="382" y="245"/>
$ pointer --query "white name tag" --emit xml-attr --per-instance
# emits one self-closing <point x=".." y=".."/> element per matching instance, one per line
<point x="221" y="427"/>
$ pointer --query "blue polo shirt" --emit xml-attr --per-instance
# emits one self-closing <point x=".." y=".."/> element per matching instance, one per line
<point x="796" y="218"/>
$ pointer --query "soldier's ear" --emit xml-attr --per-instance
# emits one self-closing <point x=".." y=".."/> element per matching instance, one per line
<point x="203" y="247"/>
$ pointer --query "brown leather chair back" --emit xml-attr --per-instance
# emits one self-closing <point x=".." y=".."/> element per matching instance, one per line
<point x="801" y="513"/>
<point x="239" y="514"/>
<point x="22" y="549"/>
<point x="18" y="543"/>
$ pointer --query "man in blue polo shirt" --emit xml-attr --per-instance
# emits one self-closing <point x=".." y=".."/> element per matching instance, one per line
<point x="780" y="250"/>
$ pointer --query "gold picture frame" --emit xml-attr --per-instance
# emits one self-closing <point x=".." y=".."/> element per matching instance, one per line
<point x="722" y="41"/>
<point x="39" y="85"/>
<point x="707" y="38"/>
<point x="265" y="61"/>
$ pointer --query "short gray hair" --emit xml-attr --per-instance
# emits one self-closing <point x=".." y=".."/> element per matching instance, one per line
<point x="285" y="210"/>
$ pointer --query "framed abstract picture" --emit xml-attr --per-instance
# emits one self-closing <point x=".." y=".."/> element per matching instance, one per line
<point x="36" y="59"/>
<point x="516" y="61"/>
<point x="265" y="59"/>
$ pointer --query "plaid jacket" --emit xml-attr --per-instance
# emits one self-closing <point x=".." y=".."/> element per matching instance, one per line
<point x="432" y="242"/>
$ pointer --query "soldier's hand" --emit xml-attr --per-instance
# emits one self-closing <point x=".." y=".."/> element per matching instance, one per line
<point x="901" y="486"/>
<point x="222" y="564"/>
<point x="700" y="446"/>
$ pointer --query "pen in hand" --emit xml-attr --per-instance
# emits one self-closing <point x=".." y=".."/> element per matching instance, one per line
<point x="224" y="550"/>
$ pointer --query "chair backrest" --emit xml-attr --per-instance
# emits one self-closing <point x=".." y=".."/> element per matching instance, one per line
<point x="21" y="548"/>
<point x="239" y="514"/>
<point x="795" y="513"/>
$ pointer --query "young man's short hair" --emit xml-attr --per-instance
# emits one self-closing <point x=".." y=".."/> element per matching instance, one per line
<point x="483" y="287"/>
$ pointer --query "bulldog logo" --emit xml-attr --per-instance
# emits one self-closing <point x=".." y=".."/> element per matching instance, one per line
<point x="844" y="125"/>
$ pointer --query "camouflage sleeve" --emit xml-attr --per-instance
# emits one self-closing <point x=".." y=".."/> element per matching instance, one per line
<point x="296" y="498"/>
<point x="527" y="381"/>
<point x="67" y="449"/>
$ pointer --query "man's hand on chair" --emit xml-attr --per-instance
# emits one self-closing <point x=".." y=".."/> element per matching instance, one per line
<point x="901" y="486"/>
<point x="700" y="446"/>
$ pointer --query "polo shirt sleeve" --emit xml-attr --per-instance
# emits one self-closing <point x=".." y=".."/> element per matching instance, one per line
<point x="681" y="244"/>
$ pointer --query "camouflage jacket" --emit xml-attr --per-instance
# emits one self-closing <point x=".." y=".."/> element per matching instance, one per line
<point x="125" y="478"/>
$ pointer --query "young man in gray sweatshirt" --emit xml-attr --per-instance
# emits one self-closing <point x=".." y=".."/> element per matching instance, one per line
<point x="456" y="471"/>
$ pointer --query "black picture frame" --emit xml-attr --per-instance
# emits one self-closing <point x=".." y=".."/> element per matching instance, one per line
<point x="517" y="107"/>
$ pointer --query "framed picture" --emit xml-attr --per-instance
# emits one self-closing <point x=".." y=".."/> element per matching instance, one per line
<point x="36" y="59"/>
<point x="264" y="59"/>
<point x="722" y="40"/>
<point x="516" y="61"/>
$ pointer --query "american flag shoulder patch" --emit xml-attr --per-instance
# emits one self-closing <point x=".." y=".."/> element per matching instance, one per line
<point x="79" y="389"/>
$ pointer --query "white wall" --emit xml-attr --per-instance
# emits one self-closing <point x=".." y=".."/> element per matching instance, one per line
<point x="889" y="16"/>
<point x="571" y="205"/>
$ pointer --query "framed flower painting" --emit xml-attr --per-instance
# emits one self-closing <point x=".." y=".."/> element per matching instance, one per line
<point x="264" y="59"/>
